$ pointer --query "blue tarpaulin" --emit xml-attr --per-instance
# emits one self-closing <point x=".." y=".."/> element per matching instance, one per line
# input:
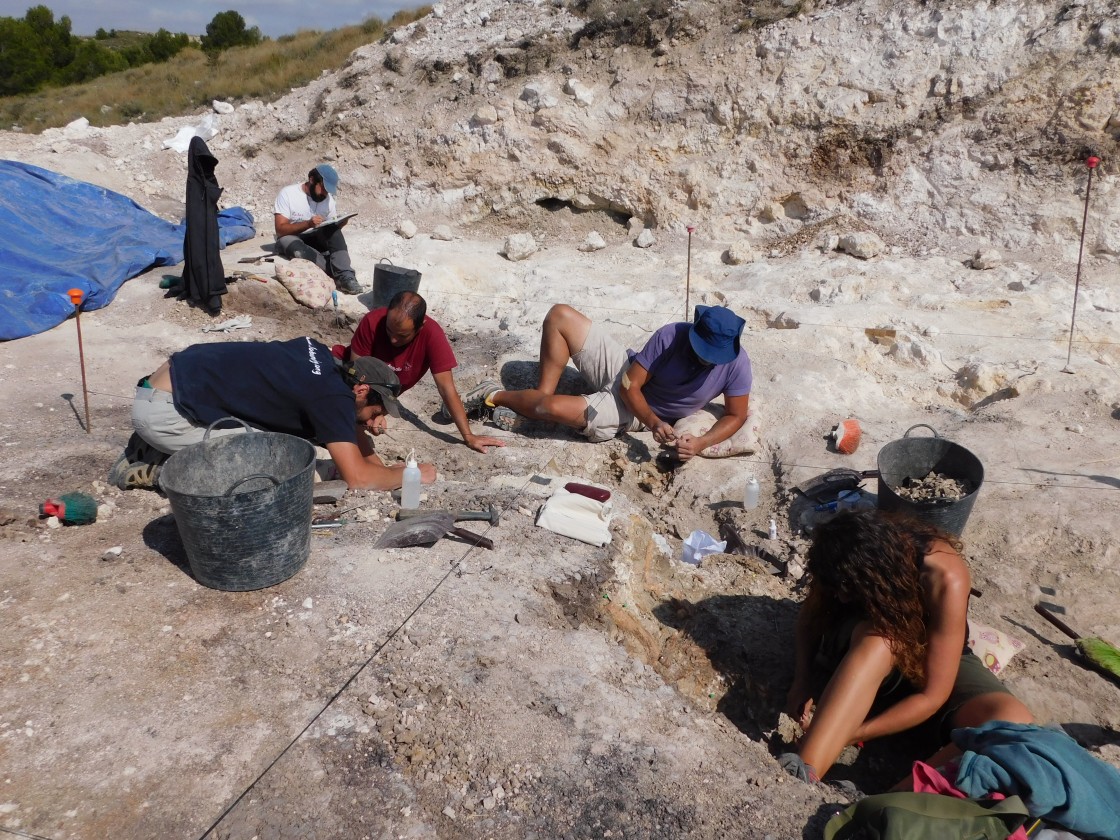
<point x="58" y="234"/>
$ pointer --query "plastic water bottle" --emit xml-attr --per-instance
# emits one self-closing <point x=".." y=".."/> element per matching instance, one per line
<point x="750" y="494"/>
<point x="773" y="530"/>
<point x="410" y="485"/>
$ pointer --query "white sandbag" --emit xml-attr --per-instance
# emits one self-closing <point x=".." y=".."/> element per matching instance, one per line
<point x="576" y="516"/>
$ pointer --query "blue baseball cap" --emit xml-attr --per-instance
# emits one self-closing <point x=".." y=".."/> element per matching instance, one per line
<point x="715" y="334"/>
<point x="329" y="176"/>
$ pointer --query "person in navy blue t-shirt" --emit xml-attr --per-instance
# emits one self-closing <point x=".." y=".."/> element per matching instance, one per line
<point x="295" y="387"/>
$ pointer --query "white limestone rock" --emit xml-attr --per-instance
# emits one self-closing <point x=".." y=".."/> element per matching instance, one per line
<point x="485" y="115"/>
<point x="986" y="258"/>
<point x="519" y="246"/>
<point x="593" y="242"/>
<point x="442" y="233"/>
<point x="645" y="238"/>
<point x="406" y="229"/>
<point x="740" y="252"/>
<point x="863" y="245"/>
<point x="582" y="94"/>
<point x="221" y="107"/>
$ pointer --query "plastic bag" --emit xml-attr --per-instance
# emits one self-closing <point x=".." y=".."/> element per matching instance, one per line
<point x="700" y="544"/>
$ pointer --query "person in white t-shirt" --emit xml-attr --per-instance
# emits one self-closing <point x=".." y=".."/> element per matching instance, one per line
<point x="298" y="211"/>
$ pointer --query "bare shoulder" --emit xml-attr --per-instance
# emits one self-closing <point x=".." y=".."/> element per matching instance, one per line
<point x="944" y="570"/>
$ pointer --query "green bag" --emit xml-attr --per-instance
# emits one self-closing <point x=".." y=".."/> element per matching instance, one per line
<point x="927" y="816"/>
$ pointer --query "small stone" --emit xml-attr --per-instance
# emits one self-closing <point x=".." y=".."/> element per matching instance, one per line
<point x="635" y="225"/>
<point x="406" y="229"/>
<point x="307" y="603"/>
<point x="519" y="246"/>
<point x="486" y="115"/>
<point x="593" y="242"/>
<point x="443" y="233"/>
<point x="112" y="553"/>
<point x="740" y="252"/>
<point x="862" y="245"/>
<point x="489" y="802"/>
<point x="449" y="812"/>
<point x="52" y="522"/>
<point x="986" y="258"/>
<point x="221" y="107"/>
<point x="645" y="238"/>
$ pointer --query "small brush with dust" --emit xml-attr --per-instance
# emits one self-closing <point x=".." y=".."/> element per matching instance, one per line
<point x="845" y="436"/>
<point x="339" y="321"/>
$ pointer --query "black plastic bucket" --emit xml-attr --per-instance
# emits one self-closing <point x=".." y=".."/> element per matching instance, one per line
<point x="917" y="457"/>
<point x="243" y="506"/>
<point x="389" y="279"/>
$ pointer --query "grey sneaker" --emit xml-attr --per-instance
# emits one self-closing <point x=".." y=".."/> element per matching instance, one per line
<point x="474" y="401"/>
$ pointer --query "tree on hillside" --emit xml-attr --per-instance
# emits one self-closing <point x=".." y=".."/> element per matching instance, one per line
<point x="227" y="29"/>
<point x="92" y="60"/>
<point x="54" y="38"/>
<point x="24" y="65"/>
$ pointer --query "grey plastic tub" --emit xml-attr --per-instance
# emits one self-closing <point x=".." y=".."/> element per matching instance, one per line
<point x="243" y="507"/>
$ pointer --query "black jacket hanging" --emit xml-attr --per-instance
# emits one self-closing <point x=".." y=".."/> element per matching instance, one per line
<point x="204" y="279"/>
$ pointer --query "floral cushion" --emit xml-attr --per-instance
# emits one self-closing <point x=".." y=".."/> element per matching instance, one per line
<point x="305" y="282"/>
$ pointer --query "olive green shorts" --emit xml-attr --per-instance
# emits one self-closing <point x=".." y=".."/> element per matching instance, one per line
<point x="973" y="678"/>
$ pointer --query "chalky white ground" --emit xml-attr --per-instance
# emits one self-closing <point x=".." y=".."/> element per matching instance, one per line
<point x="551" y="688"/>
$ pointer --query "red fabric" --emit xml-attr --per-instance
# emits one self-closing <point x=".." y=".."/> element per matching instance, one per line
<point x="928" y="779"/>
<point x="430" y="350"/>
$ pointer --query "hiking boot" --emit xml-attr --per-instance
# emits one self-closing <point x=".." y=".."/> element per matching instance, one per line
<point x="503" y="417"/>
<point x="474" y="401"/>
<point x="348" y="284"/>
<point x="139" y="476"/>
<point x="137" y="466"/>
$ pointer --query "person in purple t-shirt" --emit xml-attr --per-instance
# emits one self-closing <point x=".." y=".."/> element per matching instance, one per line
<point x="681" y="368"/>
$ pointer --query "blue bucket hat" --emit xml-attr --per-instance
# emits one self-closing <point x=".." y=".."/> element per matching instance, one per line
<point x="329" y="176"/>
<point x="715" y="334"/>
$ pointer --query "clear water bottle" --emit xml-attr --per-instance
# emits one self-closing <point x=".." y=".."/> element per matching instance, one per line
<point x="410" y="484"/>
<point x="750" y="494"/>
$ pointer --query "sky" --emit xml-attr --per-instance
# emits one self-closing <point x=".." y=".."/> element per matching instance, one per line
<point x="273" y="17"/>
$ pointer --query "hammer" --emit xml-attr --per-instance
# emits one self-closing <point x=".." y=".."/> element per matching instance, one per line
<point x="491" y="515"/>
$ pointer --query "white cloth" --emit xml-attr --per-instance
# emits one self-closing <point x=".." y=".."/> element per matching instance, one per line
<point x="182" y="140"/>
<point x="576" y="516"/>
<point x="296" y="206"/>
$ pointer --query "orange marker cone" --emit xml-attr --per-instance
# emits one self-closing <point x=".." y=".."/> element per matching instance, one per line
<point x="845" y="436"/>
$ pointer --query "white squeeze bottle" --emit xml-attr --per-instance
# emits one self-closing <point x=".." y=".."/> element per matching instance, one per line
<point x="750" y="495"/>
<point x="410" y="485"/>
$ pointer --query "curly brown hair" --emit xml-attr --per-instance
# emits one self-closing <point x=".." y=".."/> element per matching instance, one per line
<point x="870" y="561"/>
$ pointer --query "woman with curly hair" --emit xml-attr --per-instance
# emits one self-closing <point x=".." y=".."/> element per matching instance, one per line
<point x="886" y="620"/>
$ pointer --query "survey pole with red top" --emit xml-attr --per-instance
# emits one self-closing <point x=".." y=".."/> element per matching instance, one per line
<point x="1092" y="162"/>
<point x="76" y="296"/>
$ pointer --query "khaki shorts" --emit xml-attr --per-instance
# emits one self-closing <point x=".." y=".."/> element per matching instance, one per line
<point x="156" y="420"/>
<point x="603" y="361"/>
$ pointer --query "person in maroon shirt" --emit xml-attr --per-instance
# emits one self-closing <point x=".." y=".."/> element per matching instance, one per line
<point x="411" y="343"/>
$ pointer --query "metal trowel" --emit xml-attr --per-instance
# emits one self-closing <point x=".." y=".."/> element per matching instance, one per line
<point x="426" y="529"/>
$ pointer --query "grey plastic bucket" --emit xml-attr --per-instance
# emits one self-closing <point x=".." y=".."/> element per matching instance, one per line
<point x="389" y="279"/>
<point x="243" y="507"/>
<point x="916" y="457"/>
